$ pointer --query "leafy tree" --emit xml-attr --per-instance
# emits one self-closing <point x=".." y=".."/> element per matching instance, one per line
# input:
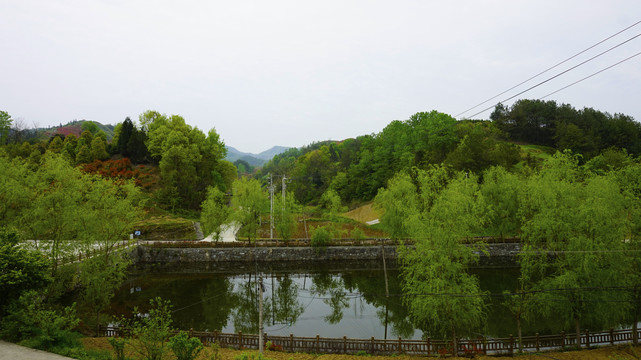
<point x="188" y="159"/>
<point x="55" y="145"/>
<point x="152" y="330"/>
<point x="22" y="270"/>
<point x="442" y="297"/>
<point x="399" y="202"/>
<point x="84" y="155"/>
<point x="499" y="199"/>
<point x="90" y="126"/>
<point x="100" y="279"/>
<point x="582" y="224"/>
<point x="248" y="203"/>
<point x="30" y="320"/>
<point x="99" y="149"/>
<point x="215" y="212"/>
<point x="70" y="147"/>
<point x="85" y="139"/>
<point x="5" y="126"/>
<point x="286" y="211"/>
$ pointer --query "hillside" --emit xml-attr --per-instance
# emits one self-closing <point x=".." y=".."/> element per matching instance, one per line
<point x="254" y="159"/>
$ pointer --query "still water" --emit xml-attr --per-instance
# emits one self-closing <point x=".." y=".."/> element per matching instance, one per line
<point x="331" y="301"/>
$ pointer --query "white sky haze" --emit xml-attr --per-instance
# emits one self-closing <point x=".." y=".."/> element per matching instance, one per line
<point x="288" y="73"/>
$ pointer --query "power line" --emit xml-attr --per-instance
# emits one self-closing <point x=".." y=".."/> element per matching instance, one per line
<point x="561" y="73"/>
<point x="591" y="75"/>
<point x="548" y="69"/>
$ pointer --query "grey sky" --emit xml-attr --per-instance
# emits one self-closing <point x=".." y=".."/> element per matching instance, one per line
<point x="267" y="73"/>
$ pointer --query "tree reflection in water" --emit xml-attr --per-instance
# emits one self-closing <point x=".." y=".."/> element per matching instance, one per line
<point x="286" y="307"/>
<point x="332" y="290"/>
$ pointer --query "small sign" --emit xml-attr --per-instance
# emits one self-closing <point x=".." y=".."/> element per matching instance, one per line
<point x="137" y="232"/>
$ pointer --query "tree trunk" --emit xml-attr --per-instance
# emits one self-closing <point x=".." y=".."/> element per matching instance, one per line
<point x="577" y="324"/>
<point x="454" y="342"/>
<point x="635" y="330"/>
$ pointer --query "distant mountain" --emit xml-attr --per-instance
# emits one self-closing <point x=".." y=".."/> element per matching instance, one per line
<point x="254" y="159"/>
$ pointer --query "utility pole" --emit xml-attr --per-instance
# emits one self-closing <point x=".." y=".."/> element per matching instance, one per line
<point x="260" y="315"/>
<point x="271" y="206"/>
<point x="284" y="187"/>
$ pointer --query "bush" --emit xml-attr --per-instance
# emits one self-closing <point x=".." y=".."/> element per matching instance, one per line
<point x="118" y="344"/>
<point x="152" y="331"/>
<point x="28" y="320"/>
<point x="321" y="237"/>
<point x="185" y="347"/>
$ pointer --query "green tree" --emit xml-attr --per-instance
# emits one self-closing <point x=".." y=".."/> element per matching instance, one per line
<point x="22" y="270"/>
<point x="99" y="149"/>
<point x="69" y="148"/>
<point x="580" y="225"/>
<point x="90" y="126"/>
<point x="442" y="297"/>
<point x="499" y="200"/>
<point x="5" y="126"/>
<point x="84" y="155"/>
<point x="248" y="203"/>
<point x="55" y="145"/>
<point x="286" y="211"/>
<point x="215" y="212"/>
<point x="399" y="201"/>
<point x="100" y="277"/>
<point x="152" y="331"/>
<point x="37" y="325"/>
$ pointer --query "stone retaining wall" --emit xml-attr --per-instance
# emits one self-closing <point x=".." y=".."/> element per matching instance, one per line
<point x="499" y="255"/>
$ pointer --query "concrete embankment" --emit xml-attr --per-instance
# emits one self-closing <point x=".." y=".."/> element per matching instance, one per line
<point x="494" y="255"/>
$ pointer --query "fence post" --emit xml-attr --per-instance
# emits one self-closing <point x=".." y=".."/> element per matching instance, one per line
<point x="317" y="344"/>
<point x="511" y="345"/>
<point x="429" y="347"/>
<point x="372" y="342"/>
<point x="611" y="337"/>
<point x="538" y="345"/>
<point x="264" y="339"/>
<point x="400" y="345"/>
<point x="562" y="339"/>
<point x="344" y="344"/>
<point x="587" y="338"/>
<point x="291" y="342"/>
<point x="484" y="345"/>
<point x="240" y="340"/>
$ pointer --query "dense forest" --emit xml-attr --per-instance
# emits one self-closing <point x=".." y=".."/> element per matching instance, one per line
<point x="357" y="168"/>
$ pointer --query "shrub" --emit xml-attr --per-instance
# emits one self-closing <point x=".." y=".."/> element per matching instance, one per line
<point x="118" y="344"/>
<point x="185" y="347"/>
<point x="321" y="237"/>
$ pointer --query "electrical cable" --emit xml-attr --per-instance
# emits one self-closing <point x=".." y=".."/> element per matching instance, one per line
<point x="559" y="74"/>
<point x="589" y="76"/>
<point x="550" y="68"/>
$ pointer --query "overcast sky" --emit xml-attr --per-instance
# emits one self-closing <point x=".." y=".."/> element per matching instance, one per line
<point x="288" y="73"/>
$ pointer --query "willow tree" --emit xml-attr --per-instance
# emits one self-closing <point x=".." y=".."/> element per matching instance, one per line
<point x="443" y="298"/>
<point x="573" y="254"/>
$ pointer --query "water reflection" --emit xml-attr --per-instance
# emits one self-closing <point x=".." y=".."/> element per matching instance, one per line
<point x="327" y="303"/>
<point x="330" y="302"/>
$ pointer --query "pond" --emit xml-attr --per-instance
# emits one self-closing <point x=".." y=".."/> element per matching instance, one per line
<point x="333" y="300"/>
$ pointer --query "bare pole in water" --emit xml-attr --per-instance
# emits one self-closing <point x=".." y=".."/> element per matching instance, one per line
<point x="260" y="315"/>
